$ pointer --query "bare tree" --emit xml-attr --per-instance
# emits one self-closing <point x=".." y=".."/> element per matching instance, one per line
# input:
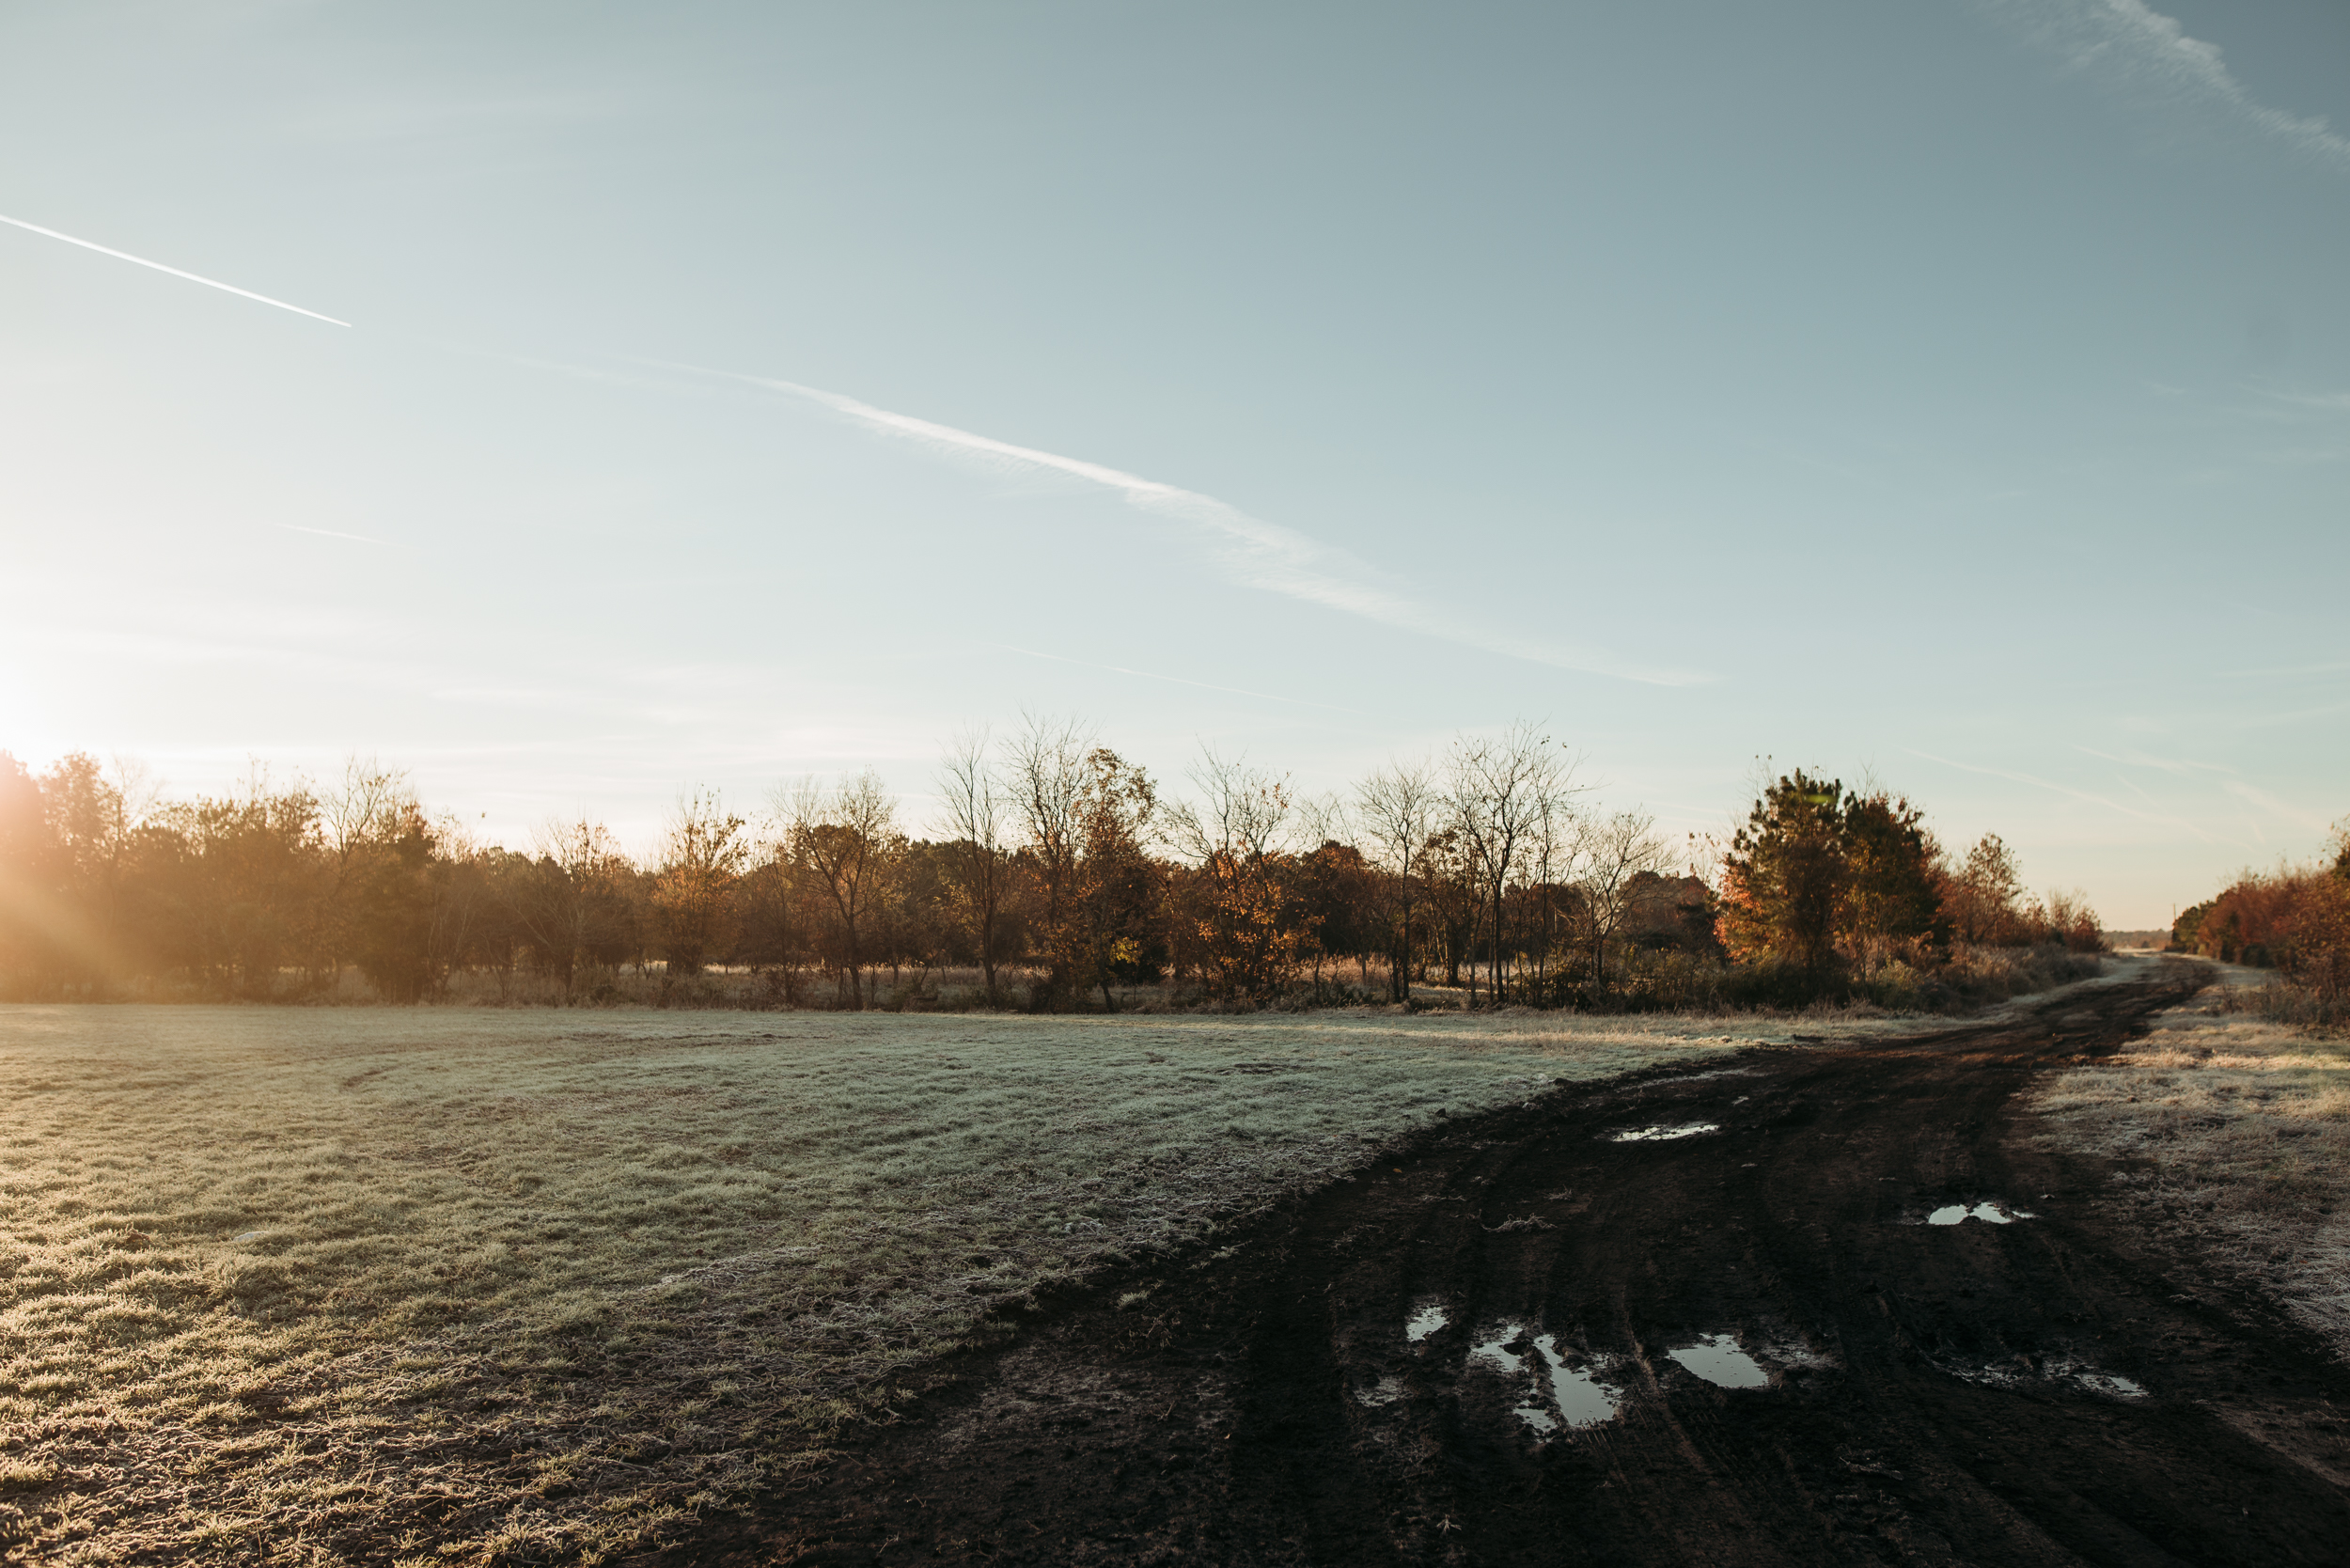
<point x="1397" y="808"/>
<point x="1496" y="795"/>
<point x="1561" y="839"/>
<point x="843" y="838"/>
<point x="1621" y="847"/>
<point x="1241" y="810"/>
<point x="979" y="817"/>
<point x="1046" y="777"/>
<point x="360" y="813"/>
<point x="561" y="900"/>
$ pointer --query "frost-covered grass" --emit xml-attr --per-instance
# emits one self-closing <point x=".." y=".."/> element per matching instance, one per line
<point x="2235" y="1132"/>
<point x="470" y="1286"/>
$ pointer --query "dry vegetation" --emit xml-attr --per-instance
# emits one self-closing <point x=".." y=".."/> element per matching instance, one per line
<point x="342" y="1285"/>
<point x="2233" y="1133"/>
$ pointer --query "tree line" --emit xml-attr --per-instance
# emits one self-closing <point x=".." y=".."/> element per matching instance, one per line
<point x="2294" y="920"/>
<point x="1057" y="874"/>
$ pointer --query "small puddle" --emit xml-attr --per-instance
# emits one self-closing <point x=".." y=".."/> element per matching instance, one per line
<point x="2113" y="1384"/>
<point x="1561" y="1395"/>
<point x="1663" y="1135"/>
<point x="2017" y="1372"/>
<point x="1425" y="1319"/>
<point x="1990" y="1213"/>
<point x="1581" y="1398"/>
<point x="1495" y="1348"/>
<point x="1385" y="1391"/>
<point x="1717" y="1360"/>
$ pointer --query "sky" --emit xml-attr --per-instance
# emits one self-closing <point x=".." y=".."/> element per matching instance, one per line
<point x="1950" y="393"/>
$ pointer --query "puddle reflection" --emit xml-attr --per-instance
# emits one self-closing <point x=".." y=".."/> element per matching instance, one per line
<point x="1425" y="1319"/>
<point x="1564" y="1394"/>
<point x="1990" y="1213"/>
<point x="1581" y="1396"/>
<point x="1717" y="1360"/>
<point x="1661" y="1134"/>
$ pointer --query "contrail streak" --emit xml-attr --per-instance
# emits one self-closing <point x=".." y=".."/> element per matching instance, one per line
<point x="2065" y="790"/>
<point x="1258" y="554"/>
<point x="207" y="282"/>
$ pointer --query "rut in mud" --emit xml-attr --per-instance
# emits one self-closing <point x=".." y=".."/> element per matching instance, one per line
<point x="1807" y="1307"/>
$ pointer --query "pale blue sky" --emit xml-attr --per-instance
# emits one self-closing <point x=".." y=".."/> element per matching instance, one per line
<point x="1960" y="390"/>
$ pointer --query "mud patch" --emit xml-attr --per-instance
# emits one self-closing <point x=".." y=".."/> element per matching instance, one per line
<point x="1973" y="1414"/>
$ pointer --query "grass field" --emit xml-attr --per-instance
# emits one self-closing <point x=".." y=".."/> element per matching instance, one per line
<point x="2233" y="1135"/>
<point x="473" y="1286"/>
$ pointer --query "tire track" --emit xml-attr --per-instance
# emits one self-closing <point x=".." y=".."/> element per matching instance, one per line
<point x="1535" y="1339"/>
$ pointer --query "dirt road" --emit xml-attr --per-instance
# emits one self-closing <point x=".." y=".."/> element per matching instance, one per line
<point x="1813" y="1305"/>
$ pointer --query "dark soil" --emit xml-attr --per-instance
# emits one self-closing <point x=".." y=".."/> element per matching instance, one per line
<point x="1936" y="1393"/>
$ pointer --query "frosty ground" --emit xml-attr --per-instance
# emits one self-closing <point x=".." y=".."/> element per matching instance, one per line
<point x="359" y="1284"/>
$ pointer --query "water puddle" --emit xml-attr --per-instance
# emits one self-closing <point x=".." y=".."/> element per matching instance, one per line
<point x="1385" y="1391"/>
<point x="2019" y="1370"/>
<point x="1425" y="1319"/>
<point x="1581" y="1396"/>
<point x="1495" y="1347"/>
<point x="1990" y="1213"/>
<point x="2112" y="1384"/>
<point x="1717" y="1360"/>
<point x="1560" y="1394"/>
<point x="1663" y="1135"/>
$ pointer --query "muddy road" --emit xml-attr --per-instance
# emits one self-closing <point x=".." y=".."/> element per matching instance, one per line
<point x="1812" y="1306"/>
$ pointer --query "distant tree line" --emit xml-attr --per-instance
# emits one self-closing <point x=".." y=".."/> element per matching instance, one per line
<point x="2294" y="920"/>
<point x="1059" y="874"/>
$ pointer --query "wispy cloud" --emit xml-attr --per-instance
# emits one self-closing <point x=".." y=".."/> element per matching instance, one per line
<point x="141" y="261"/>
<point x="2069" y="793"/>
<point x="2300" y="817"/>
<point x="1252" y="552"/>
<point x="2139" y="760"/>
<point x="2137" y="48"/>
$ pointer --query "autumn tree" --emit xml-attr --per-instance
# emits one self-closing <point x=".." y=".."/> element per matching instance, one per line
<point x="1894" y="897"/>
<point x="569" y="896"/>
<point x="1109" y="933"/>
<point x="1979" y="898"/>
<point x="842" y="840"/>
<point x="1785" y="875"/>
<point x="1244" y="911"/>
<point x="1453" y="897"/>
<point x="704" y="848"/>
